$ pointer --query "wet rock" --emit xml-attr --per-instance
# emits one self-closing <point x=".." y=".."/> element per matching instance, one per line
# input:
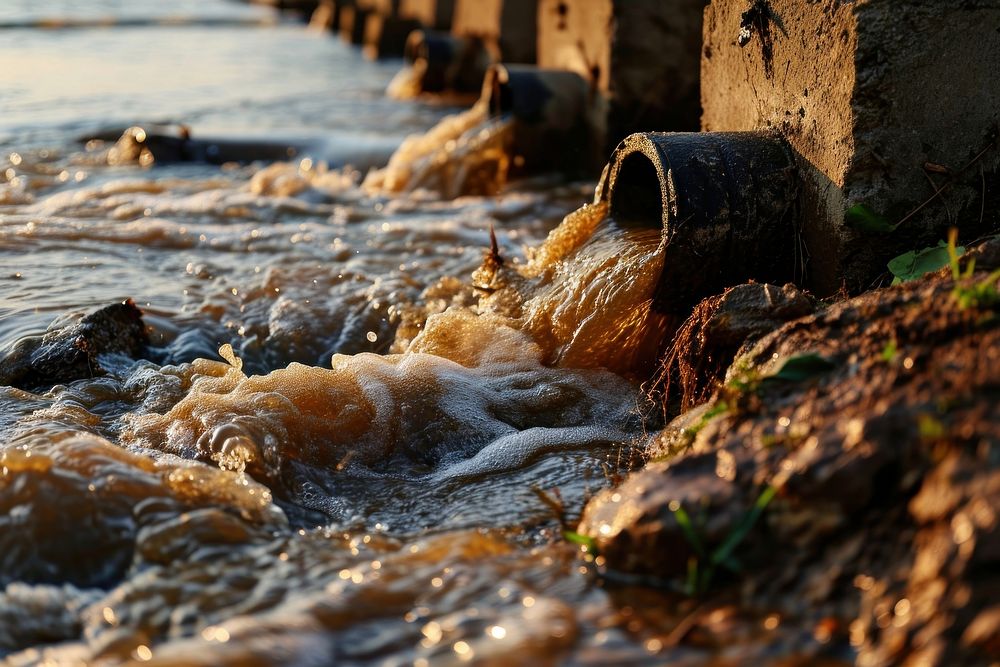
<point x="71" y="351"/>
<point x="713" y="334"/>
<point x="882" y="532"/>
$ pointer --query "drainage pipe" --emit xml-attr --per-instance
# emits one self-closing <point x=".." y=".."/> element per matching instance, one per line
<point x="553" y="113"/>
<point x="163" y="145"/>
<point x="727" y="204"/>
<point x="447" y="62"/>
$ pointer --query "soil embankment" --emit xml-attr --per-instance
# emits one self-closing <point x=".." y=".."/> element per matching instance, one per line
<point x="842" y="478"/>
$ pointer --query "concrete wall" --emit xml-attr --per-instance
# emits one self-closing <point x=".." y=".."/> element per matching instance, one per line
<point x="508" y="27"/>
<point x="868" y="93"/>
<point x="576" y="36"/>
<point x="434" y="14"/>
<point x="644" y="55"/>
<point x="477" y="17"/>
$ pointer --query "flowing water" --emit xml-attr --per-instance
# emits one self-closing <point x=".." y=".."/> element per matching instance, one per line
<point x="351" y="431"/>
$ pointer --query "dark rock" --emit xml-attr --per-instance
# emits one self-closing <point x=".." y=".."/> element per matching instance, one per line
<point x="710" y="338"/>
<point x="71" y="352"/>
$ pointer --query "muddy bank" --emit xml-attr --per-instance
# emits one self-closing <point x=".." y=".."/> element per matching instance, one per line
<point x="842" y="479"/>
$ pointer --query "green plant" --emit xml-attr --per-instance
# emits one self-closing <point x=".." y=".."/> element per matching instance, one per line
<point x="981" y="294"/>
<point x="890" y="351"/>
<point x="918" y="263"/>
<point x="864" y="219"/>
<point x="555" y="504"/>
<point x="720" y="407"/>
<point x="703" y="565"/>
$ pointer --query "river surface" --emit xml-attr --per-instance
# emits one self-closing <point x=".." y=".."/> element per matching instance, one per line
<point x="355" y="435"/>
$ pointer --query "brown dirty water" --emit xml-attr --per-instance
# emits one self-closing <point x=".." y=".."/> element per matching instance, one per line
<point x="326" y="445"/>
<point x="351" y="432"/>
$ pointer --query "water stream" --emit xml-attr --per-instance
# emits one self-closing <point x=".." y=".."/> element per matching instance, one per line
<point x="333" y="447"/>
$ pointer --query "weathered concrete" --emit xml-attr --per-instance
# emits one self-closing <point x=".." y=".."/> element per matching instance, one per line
<point x="642" y="54"/>
<point x="507" y="27"/>
<point x="847" y="84"/>
<point x="352" y="19"/>
<point x="433" y="14"/>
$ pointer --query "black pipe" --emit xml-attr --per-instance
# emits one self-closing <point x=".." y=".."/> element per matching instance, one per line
<point x="447" y="62"/>
<point x="552" y="113"/>
<point x="165" y="145"/>
<point x="727" y="204"/>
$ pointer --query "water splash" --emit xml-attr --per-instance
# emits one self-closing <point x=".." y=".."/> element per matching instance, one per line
<point x="465" y="154"/>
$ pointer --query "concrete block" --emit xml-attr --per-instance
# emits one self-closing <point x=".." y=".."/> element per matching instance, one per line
<point x="352" y="20"/>
<point x="644" y="55"/>
<point x="433" y="14"/>
<point x="576" y="35"/>
<point x="507" y="27"/>
<point x="884" y="101"/>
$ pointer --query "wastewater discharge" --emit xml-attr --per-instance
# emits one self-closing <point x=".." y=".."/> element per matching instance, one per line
<point x="354" y="474"/>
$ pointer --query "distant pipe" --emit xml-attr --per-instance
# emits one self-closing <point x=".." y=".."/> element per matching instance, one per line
<point x="447" y="62"/>
<point x="727" y="204"/>
<point x="162" y="145"/>
<point x="553" y="117"/>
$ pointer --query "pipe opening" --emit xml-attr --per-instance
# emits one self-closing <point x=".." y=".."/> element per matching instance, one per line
<point x="636" y="196"/>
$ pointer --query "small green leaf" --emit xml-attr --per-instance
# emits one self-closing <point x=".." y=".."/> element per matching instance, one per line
<point x="725" y="550"/>
<point x="684" y="521"/>
<point x="864" y="219"/>
<point x="693" y="585"/>
<point x="801" y="367"/>
<point x="581" y="539"/>
<point x="890" y="351"/>
<point x="930" y="428"/>
<point x="918" y="263"/>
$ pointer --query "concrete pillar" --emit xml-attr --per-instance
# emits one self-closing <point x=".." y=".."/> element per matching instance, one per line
<point x="385" y="30"/>
<point x="884" y="101"/>
<point x="576" y="35"/>
<point x="433" y="14"/>
<point x="352" y="19"/>
<point x="507" y="27"/>
<point x="644" y="55"/>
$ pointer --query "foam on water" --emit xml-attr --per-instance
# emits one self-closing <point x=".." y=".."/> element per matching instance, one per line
<point x="334" y="448"/>
<point x="466" y="153"/>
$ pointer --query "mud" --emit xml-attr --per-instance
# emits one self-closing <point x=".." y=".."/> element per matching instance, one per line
<point x="878" y="443"/>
